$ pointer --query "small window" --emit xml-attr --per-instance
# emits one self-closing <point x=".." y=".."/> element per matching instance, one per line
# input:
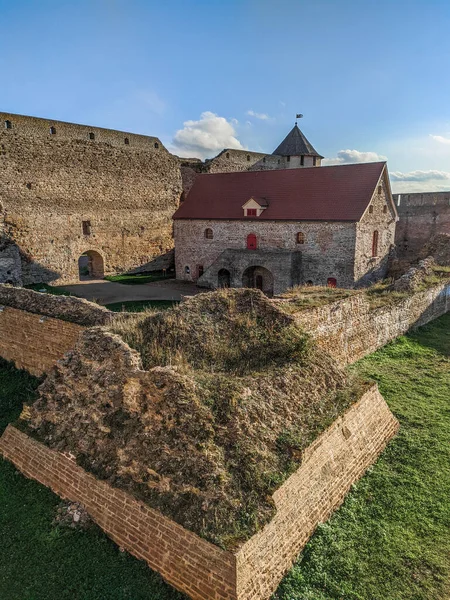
<point x="331" y="282"/>
<point x="278" y="162"/>
<point x="91" y="136"/>
<point x="288" y="158"/>
<point x="302" y="161"/>
<point x="252" y="242"/>
<point x="380" y="189"/>
<point x="187" y="270"/>
<point x="264" y="159"/>
<point x="227" y="155"/>
<point x="385" y="209"/>
<point x="300" y="237"/>
<point x="29" y="186"/>
<point x="314" y="161"/>
<point x="86" y="228"/>
<point x="127" y="141"/>
<point x="251" y="212"/>
<point x="156" y="145"/>
<point x="209" y="234"/>
<point x="248" y="157"/>
<point x="8" y="125"/>
<point x="371" y="209"/>
<point x="200" y="270"/>
<point x="52" y="130"/>
<point x="375" y="244"/>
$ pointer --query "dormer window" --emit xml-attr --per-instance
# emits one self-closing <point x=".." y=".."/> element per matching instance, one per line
<point x="254" y="207"/>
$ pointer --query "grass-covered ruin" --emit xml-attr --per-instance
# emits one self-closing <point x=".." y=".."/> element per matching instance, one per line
<point x="202" y="411"/>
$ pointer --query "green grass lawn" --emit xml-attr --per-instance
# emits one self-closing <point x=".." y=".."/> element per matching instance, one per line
<point x="140" y="305"/>
<point x="389" y="541"/>
<point x="48" y="289"/>
<point x="140" y="278"/>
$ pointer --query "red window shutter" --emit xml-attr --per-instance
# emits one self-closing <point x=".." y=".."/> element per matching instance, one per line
<point x="375" y="244"/>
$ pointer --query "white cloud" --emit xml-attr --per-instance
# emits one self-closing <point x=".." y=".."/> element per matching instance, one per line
<point x="353" y="156"/>
<point x="441" y="139"/>
<point x="420" y="176"/>
<point x="262" y="116"/>
<point x="207" y="136"/>
<point x="420" y="181"/>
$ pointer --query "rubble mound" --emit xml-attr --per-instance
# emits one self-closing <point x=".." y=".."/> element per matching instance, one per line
<point x="413" y="279"/>
<point x="232" y="392"/>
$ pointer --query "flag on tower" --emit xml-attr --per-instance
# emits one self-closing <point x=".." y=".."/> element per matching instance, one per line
<point x="299" y="116"/>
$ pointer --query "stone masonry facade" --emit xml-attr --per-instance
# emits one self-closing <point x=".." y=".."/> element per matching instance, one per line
<point x="327" y="251"/>
<point x="340" y="250"/>
<point x="380" y="217"/>
<point x="330" y="466"/>
<point x="63" y="194"/>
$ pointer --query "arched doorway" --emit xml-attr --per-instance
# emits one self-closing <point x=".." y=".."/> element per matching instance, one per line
<point x="91" y="265"/>
<point x="224" y="278"/>
<point x="260" y="278"/>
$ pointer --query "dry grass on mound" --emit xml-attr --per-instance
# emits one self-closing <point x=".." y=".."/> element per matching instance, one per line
<point x="303" y="296"/>
<point x="232" y="393"/>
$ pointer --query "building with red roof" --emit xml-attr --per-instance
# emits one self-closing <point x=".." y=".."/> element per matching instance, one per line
<point x="274" y="229"/>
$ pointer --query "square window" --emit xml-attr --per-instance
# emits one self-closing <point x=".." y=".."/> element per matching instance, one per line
<point x="251" y="212"/>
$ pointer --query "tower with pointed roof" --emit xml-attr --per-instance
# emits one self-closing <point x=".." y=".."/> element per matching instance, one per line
<point x="296" y="151"/>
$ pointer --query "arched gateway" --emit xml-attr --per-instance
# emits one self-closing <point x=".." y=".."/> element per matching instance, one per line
<point x="91" y="265"/>
<point x="260" y="278"/>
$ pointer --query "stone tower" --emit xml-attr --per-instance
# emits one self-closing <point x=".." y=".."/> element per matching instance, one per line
<point x="296" y="151"/>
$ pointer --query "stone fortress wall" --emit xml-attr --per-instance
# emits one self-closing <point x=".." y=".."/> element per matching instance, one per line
<point x="63" y="194"/>
<point x="349" y="329"/>
<point x="422" y="216"/>
<point x="231" y="161"/>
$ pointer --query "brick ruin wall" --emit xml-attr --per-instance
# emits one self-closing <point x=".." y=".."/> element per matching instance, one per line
<point x="187" y="562"/>
<point x="51" y="183"/>
<point x="204" y="572"/>
<point x="422" y="216"/>
<point x="36" y="330"/>
<point x="330" y="466"/>
<point x="35" y="342"/>
<point x="350" y="329"/>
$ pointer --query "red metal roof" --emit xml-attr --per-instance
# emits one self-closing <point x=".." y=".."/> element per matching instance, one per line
<point x="336" y="193"/>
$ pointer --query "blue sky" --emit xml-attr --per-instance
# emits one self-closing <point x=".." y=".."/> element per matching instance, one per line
<point x="372" y="77"/>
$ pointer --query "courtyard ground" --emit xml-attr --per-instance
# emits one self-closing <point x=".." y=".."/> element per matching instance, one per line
<point x="389" y="541"/>
<point x="112" y="292"/>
